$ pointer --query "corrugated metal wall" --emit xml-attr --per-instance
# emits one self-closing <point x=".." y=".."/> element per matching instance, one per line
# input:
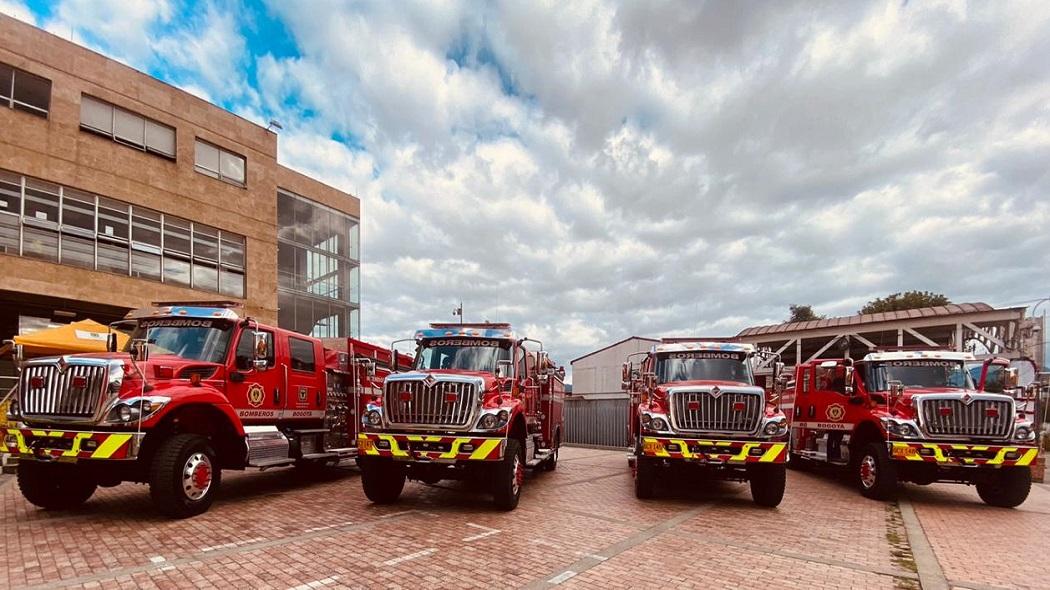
<point x="596" y="422"/>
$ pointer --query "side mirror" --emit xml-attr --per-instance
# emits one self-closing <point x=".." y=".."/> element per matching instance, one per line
<point x="650" y="378"/>
<point x="261" y="352"/>
<point x="1010" y="378"/>
<point x="896" y="389"/>
<point x="111" y="342"/>
<point x="140" y="350"/>
<point x="543" y="363"/>
<point x="370" y="368"/>
<point x="504" y="369"/>
<point x="849" y="381"/>
<point x="778" y="370"/>
<point x="625" y="375"/>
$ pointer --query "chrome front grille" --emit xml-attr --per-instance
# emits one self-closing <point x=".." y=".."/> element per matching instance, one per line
<point x="979" y="418"/>
<point x="703" y="412"/>
<point x="420" y="402"/>
<point x="75" y="392"/>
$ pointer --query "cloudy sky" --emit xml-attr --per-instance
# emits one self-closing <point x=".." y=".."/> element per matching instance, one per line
<point x="592" y="170"/>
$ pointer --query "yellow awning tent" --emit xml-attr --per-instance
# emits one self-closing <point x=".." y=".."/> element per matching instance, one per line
<point x="82" y="336"/>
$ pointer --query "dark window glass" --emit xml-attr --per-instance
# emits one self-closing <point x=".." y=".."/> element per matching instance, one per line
<point x="6" y="77"/>
<point x="285" y="216"/>
<point x="10" y="193"/>
<point x="176" y="271"/>
<point x="129" y="128"/>
<point x="245" y="353"/>
<point x="145" y="265"/>
<point x="40" y="243"/>
<point x="41" y="202"/>
<point x="78" y="212"/>
<point x="341" y="234"/>
<point x="8" y="234"/>
<point x="206" y="158"/>
<point x="302" y="353"/>
<point x="231" y="282"/>
<point x="205" y="277"/>
<point x="304" y="230"/>
<point x="176" y="235"/>
<point x="232" y="250"/>
<point x="145" y="229"/>
<point x="113" y="256"/>
<point x="286" y="311"/>
<point x="78" y="251"/>
<point x="32" y="93"/>
<point x="205" y="242"/>
<point x="112" y="219"/>
<point x="286" y="265"/>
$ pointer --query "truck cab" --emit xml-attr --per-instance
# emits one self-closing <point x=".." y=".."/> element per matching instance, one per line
<point x="912" y="415"/>
<point x="479" y="403"/>
<point x="197" y="389"/>
<point x="695" y="406"/>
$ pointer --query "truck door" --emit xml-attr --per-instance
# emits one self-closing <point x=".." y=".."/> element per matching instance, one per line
<point x="306" y="395"/>
<point x="254" y="393"/>
<point x="829" y="415"/>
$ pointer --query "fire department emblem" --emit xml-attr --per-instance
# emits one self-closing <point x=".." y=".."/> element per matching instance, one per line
<point x="716" y="392"/>
<point x="967" y="398"/>
<point x="836" y="412"/>
<point x="256" y="394"/>
<point x="302" y="394"/>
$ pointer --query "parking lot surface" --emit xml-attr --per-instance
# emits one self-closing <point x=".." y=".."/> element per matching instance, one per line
<point x="578" y="527"/>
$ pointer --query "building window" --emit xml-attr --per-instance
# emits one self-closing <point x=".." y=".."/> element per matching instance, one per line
<point x="317" y="268"/>
<point x="126" y="127"/>
<point x="24" y="91"/>
<point x="219" y="163"/>
<point x="72" y="227"/>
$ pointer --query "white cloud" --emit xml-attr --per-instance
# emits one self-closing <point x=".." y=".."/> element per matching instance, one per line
<point x="594" y="170"/>
<point x="17" y="9"/>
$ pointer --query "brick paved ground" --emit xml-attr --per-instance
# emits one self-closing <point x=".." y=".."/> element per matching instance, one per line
<point x="578" y="527"/>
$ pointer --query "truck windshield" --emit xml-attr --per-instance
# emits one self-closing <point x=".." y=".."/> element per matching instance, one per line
<point x="465" y="354"/>
<point x="920" y="373"/>
<point x="193" y="339"/>
<point x="696" y="366"/>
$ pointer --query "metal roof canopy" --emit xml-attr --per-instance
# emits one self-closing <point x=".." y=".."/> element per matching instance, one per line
<point x="1003" y="332"/>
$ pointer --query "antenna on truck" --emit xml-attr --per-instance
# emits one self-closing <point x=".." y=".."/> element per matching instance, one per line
<point x="458" y="311"/>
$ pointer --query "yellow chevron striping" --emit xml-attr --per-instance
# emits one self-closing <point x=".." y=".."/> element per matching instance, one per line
<point x="109" y="446"/>
<point x="774" y="451"/>
<point x="485" y="448"/>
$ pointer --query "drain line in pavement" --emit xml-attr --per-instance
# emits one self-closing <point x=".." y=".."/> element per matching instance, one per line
<point x="931" y="576"/>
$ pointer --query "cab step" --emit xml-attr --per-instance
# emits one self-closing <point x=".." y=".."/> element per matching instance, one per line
<point x="540" y="456"/>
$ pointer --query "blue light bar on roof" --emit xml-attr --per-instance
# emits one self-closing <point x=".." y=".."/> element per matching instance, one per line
<point x="465" y="332"/>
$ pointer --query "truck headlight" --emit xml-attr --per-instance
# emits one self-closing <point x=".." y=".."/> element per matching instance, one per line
<point x="658" y="424"/>
<point x="493" y="420"/>
<point x="775" y="428"/>
<point x="901" y="428"/>
<point x="135" y="409"/>
<point x="373" y="418"/>
<point x="908" y="431"/>
<point x="14" y="413"/>
<point x="1024" y="432"/>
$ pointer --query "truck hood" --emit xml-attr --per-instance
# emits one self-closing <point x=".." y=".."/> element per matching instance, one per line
<point x="488" y="380"/>
<point x="176" y="364"/>
<point x="708" y="384"/>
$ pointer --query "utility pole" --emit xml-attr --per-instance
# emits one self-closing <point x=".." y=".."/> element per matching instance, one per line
<point x="459" y="311"/>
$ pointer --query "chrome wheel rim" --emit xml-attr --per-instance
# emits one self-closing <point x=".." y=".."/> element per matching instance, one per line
<point x="868" y="472"/>
<point x="197" y="476"/>
<point x="519" y="476"/>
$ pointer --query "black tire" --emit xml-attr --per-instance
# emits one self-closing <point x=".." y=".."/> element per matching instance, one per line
<point x="1007" y="487"/>
<point x="54" y="486"/>
<point x="767" y="483"/>
<point x="509" y="476"/>
<point x="644" y="478"/>
<point x="184" y="477"/>
<point x="875" y="473"/>
<point x="797" y="463"/>
<point x="382" y="480"/>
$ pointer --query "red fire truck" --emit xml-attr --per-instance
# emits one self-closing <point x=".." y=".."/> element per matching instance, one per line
<point x="198" y="390"/>
<point x="913" y="415"/>
<point x="480" y="404"/>
<point x="695" y="406"/>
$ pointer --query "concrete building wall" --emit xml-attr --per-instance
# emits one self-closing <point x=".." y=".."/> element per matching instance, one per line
<point x="56" y="149"/>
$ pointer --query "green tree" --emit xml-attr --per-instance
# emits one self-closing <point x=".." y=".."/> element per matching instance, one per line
<point x="905" y="300"/>
<point x="803" y="313"/>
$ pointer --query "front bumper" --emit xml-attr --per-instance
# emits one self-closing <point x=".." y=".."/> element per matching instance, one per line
<point x="70" y="445"/>
<point x="732" y="452"/>
<point x="948" y="454"/>
<point x="440" y="449"/>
